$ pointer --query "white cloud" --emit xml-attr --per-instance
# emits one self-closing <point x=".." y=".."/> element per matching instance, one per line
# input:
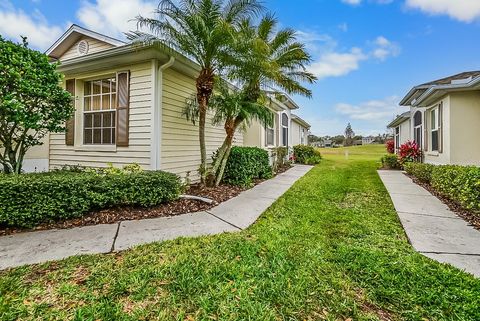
<point x="463" y="10"/>
<point x="15" y="23"/>
<point x="334" y="64"/>
<point x="372" y="110"/>
<point x="352" y="2"/>
<point x="113" y="17"/>
<point x="385" y="48"/>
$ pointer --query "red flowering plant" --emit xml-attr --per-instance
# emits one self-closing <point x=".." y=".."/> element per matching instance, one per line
<point x="390" y="145"/>
<point x="409" y="152"/>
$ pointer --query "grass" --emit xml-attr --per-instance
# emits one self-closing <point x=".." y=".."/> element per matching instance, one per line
<point x="331" y="248"/>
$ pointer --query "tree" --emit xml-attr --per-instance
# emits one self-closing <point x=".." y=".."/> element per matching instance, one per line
<point x="31" y="102"/>
<point x="260" y="59"/>
<point x="349" y="134"/>
<point x="202" y="30"/>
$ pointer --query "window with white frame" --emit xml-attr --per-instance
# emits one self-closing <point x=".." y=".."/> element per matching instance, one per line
<point x="397" y="138"/>
<point x="284" y="129"/>
<point x="270" y="136"/>
<point x="302" y="138"/>
<point x="434" y="129"/>
<point x="99" y="99"/>
<point x="417" y="128"/>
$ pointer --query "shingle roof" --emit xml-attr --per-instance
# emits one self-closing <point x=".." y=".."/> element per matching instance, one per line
<point x="448" y="80"/>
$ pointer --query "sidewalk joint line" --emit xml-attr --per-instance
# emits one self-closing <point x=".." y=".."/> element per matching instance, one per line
<point x="431" y="215"/>
<point x="221" y="219"/>
<point x="451" y="253"/>
<point x="115" y="237"/>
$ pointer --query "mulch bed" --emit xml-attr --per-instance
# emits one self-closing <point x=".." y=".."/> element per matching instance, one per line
<point x="218" y="194"/>
<point x="468" y="215"/>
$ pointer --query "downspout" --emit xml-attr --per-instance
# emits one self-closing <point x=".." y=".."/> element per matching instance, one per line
<point x="157" y="98"/>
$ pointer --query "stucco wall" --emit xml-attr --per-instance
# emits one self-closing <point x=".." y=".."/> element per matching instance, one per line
<point x="465" y="128"/>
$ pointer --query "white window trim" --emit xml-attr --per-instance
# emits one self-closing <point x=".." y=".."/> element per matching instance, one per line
<point x="431" y="130"/>
<point x="287" y="127"/>
<point x="266" y="136"/>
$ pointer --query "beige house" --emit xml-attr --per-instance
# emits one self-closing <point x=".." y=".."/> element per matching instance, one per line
<point x="444" y="119"/>
<point x="129" y="108"/>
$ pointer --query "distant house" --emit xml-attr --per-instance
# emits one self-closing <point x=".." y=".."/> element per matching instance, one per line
<point x="443" y="118"/>
<point x="368" y="140"/>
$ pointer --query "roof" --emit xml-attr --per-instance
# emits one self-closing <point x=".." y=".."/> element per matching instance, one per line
<point x="300" y="121"/>
<point x="420" y="93"/>
<point x="283" y="98"/>
<point x="72" y="35"/>
<point x="399" y="119"/>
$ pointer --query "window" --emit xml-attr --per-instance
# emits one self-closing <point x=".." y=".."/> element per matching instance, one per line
<point x="284" y="129"/>
<point x="302" y="139"/>
<point x="417" y="128"/>
<point x="397" y="138"/>
<point x="270" y="136"/>
<point x="434" y="128"/>
<point x="99" y="99"/>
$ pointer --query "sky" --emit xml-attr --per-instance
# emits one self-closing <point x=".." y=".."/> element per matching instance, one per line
<point x="366" y="54"/>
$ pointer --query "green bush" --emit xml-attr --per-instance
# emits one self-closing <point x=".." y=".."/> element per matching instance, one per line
<point x="305" y="154"/>
<point x="461" y="184"/>
<point x="280" y="154"/>
<point x="30" y="199"/>
<point x="246" y="164"/>
<point x="423" y="172"/>
<point x="390" y="161"/>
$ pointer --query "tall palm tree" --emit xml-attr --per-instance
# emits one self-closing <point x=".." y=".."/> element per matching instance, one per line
<point x="264" y="59"/>
<point x="201" y="30"/>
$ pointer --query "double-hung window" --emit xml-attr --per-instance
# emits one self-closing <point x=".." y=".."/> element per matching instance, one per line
<point x="285" y="122"/>
<point x="270" y="136"/>
<point x="99" y="99"/>
<point x="397" y="138"/>
<point x="434" y="128"/>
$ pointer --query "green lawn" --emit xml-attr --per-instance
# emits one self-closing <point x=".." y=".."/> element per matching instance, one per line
<point x="331" y="248"/>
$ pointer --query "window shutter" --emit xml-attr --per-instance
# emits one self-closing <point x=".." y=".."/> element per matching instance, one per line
<point x="123" y="107"/>
<point x="425" y="132"/>
<point x="440" y="127"/>
<point x="70" y="124"/>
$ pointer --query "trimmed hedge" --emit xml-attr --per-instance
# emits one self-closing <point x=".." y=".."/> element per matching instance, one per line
<point x="390" y="161"/>
<point x="305" y="154"/>
<point x="458" y="183"/>
<point x="30" y="199"/>
<point x="246" y="164"/>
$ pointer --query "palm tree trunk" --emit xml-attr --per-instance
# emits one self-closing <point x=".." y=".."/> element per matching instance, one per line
<point x="231" y="127"/>
<point x="204" y="83"/>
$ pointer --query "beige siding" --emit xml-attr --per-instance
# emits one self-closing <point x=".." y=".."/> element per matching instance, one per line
<point x="180" y="151"/>
<point x="296" y="133"/>
<point x="139" y="148"/>
<point x="254" y="135"/>
<point x="94" y="46"/>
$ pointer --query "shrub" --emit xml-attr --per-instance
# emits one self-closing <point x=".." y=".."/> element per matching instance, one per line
<point x="390" y="161"/>
<point x="246" y="164"/>
<point x="423" y="172"/>
<point x="409" y="152"/>
<point x="280" y="154"/>
<point x="30" y="199"/>
<point x="390" y="146"/>
<point x="460" y="184"/>
<point x="305" y="154"/>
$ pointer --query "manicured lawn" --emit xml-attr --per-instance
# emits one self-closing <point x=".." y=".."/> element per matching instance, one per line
<point x="331" y="248"/>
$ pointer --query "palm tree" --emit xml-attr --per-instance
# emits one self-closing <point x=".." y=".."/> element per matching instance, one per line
<point x="263" y="59"/>
<point x="201" y="30"/>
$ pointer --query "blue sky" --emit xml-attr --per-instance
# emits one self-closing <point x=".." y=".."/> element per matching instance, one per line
<point x="367" y="53"/>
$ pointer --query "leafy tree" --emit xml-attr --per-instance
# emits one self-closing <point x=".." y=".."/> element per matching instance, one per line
<point x="202" y="30"/>
<point x="349" y="134"/>
<point x="262" y="58"/>
<point x="31" y="102"/>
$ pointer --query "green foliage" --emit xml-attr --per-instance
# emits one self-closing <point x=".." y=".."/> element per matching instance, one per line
<point x="305" y="154"/>
<point x="31" y="102"/>
<point x="461" y="184"/>
<point x="246" y="164"/>
<point x="280" y="155"/>
<point x="30" y="199"/>
<point x="390" y="161"/>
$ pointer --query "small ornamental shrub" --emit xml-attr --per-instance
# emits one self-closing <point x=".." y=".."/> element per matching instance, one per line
<point x="246" y="164"/>
<point x="390" y="161"/>
<point x="280" y="155"/>
<point x="421" y="171"/>
<point x="409" y="152"/>
<point x="390" y="146"/>
<point x="305" y="154"/>
<point x="30" y="199"/>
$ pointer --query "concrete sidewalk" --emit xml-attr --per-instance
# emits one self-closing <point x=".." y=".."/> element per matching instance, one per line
<point x="233" y="215"/>
<point x="431" y="227"/>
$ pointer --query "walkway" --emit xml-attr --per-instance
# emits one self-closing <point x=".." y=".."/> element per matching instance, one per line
<point x="233" y="215"/>
<point x="431" y="227"/>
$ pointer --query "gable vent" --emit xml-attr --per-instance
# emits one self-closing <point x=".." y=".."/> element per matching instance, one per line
<point x="82" y="47"/>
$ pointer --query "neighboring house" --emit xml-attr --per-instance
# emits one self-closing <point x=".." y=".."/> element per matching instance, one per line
<point x="401" y="127"/>
<point x="368" y="140"/>
<point x="444" y="119"/>
<point x="328" y="143"/>
<point x="300" y="131"/>
<point x="129" y="103"/>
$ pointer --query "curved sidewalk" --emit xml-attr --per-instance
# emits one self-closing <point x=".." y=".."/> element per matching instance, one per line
<point x="432" y="228"/>
<point x="233" y="215"/>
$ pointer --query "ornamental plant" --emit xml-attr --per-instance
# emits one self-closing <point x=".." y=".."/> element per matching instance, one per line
<point x="390" y="145"/>
<point x="409" y="152"/>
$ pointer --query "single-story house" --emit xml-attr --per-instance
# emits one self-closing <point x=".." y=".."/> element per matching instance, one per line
<point x="443" y="119"/>
<point x="129" y="103"/>
<point x="367" y="140"/>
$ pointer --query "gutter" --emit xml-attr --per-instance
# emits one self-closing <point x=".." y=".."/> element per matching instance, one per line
<point x="432" y="89"/>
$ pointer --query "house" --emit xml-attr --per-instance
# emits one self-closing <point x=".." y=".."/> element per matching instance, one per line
<point x="300" y="131"/>
<point x="129" y="102"/>
<point x="368" y="140"/>
<point x="443" y="119"/>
